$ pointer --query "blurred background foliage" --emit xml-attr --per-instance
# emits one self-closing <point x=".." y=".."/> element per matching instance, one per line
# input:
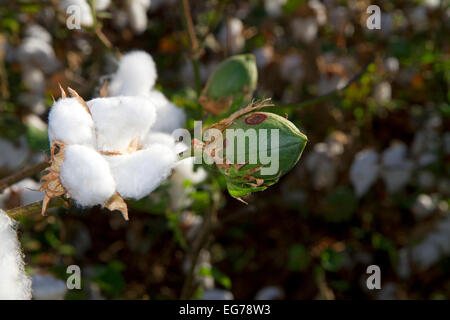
<point x="313" y="234"/>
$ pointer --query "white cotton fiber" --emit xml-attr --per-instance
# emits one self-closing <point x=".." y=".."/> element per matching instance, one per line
<point x="13" y="155"/>
<point x="137" y="10"/>
<point x="121" y="120"/>
<point x="86" y="18"/>
<point x="14" y="283"/>
<point x="168" y="116"/>
<point x="138" y="174"/>
<point x="38" y="53"/>
<point x="364" y="171"/>
<point x="185" y="171"/>
<point x="47" y="287"/>
<point x="159" y="138"/>
<point x="135" y="76"/>
<point x="70" y="122"/>
<point x="85" y="174"/>
<point x="102" y="5"/>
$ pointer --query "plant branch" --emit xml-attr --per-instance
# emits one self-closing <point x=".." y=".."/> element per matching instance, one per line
<point x="193" y="43"/>
<point x="25" y="173"/>
<point x="34" y="207"/>
<point x="333" y="93"/>
<point x="202" y="237"/>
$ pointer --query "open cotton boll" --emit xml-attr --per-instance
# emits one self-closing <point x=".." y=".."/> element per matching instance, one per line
<point x="14" y="283"/>
<point x="231" y="35"/>
<point x="364" y="171"/>
<point x="25" y="192"/>
<point x="47" y="287"/>
<point x="39" y="53"/>
<point x="38" y="32"/>
<point x="69" y="122"/>
<point x="13" y="155"/>
<point x="169" y="117"/>
<point x="137" y="10"/>
<point x="121" y="121"/>
<point x="135" y="76"/>
<point x="34" y="79"/>
<point x="86" y="176"/>
<point x="185" y="171"/>
<point x="85" y="13"/>
<point x="159" y="138"/>
<point x="141" y="172"/>
<point x="102" y="5"/>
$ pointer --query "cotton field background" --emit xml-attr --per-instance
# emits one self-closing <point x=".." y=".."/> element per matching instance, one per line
<point x="88" y="103"/>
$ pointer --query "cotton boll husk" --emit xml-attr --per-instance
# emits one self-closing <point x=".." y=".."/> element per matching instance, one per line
<point x="364" y="171"/>
<point x="13" y="155"/>
<point x="86" y="18"/>
<point x="141" y="172"/>
<point x="70" y="122"/>
<point x="137" y="11"/>
<point x="47" y="287"/>
<point x="86" y="176"/>
<point x="14" y="283"/>
<point x="121" y="121"/>
<point x="135" y="76"/>
<point x="169" y="117"/>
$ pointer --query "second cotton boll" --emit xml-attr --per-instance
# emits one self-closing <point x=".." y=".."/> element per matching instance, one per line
<point x="136" y="76"/>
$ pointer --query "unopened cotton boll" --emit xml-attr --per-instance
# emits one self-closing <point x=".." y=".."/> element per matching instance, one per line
<point x="82" y="6"/>
<point x="86" y="176"/>
<point x="364" y="171"/>
<point x="169" y="117"/>
<point x="121" y="122"/>
<point x="135" y="76"/>
<point x="137" y="11"/>
<point x="14" y="283"/>
<point x="71" y="123"/>
<point x="141" y="172"/>
<point x="47" y="287"/>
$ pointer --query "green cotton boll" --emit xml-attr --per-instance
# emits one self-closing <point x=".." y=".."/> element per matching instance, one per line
<point x="235" y="79"/>
<point x="266" y="146"/>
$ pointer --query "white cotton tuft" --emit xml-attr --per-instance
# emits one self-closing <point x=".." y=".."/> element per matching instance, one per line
<point x="70" y="122"/>
<point x="25" y="192"/>
<point x="141" y="172"/>
<point x="137" y="10"/>
<point x="86" y="18"/>
<point x="396" y="168"/>
<point x="102" y="5"/>
<point x="121" y="121"/>
<point x="169" y="117"/>
<point x="179" y="193"/>
<point x="135" y="76"/>
<point x="185" y="171"/>
<point x="47" y="287"/>
<point x="364" y="171"/>
<point x="13" y="155"/>
<point x="159" y="138"/>
<point x="14" y="283"/>
<point x="86" y="176"/>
